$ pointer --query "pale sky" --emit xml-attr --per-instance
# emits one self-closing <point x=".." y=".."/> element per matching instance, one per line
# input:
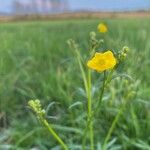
<point x="112" y="4"/>
<point x="97" y="5"/>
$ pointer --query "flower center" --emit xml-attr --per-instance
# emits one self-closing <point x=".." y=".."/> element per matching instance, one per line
<point x="101" y="62"/>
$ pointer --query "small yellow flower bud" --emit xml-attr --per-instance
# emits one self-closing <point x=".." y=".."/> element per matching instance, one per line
<point x="102" y="28"/>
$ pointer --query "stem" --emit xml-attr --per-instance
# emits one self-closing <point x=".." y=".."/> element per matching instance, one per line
<point x="87" y="89"/>
<point x="48" y="126"/>
<point x="93" y="113"/>
<point x="113" y="126"/>
<point x="90" y="111"/>
<point x="101" y="94"/>
<point x="79" y="59"/>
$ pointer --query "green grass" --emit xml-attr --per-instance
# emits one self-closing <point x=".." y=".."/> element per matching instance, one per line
<point x="36" y="62"/>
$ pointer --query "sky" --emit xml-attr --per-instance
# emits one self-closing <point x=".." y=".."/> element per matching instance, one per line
<point x="111" y="5"/>
<point x="94" y="5"/>
<point x="5" y="6"/>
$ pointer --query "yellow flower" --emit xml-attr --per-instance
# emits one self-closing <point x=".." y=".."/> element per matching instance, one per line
<point x="102" y="28"/>
<point x="102" y="61"/>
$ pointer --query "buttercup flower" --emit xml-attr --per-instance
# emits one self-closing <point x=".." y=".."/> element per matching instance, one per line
<point x="102" y="28"/>
<point x="102" y="61"/>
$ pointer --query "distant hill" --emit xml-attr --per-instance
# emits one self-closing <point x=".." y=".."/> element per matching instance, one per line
<point x="4" y="14"/>
<point x="77" y="15"/>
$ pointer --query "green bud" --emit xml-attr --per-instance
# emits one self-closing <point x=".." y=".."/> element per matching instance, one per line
<point x="43" y="111"/>
<point x="125" y="49"/>
<point x="36" y="107"/>
<point x="92" y="34"/>
<point x="124" y="55"/>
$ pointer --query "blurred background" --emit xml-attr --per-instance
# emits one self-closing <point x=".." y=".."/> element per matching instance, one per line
<point x="37" y="63"/>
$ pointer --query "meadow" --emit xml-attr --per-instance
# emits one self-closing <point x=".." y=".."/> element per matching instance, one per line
<point x="37" y="63"/>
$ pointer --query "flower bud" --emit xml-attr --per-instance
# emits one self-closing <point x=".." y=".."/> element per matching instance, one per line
<point x="92" y="34"/>
<point x="125" y="49"/>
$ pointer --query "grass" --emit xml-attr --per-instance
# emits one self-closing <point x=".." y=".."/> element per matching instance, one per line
<point x="36" y="62"/>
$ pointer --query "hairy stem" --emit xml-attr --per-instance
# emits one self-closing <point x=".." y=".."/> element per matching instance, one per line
<point x="48" y="126"/>
<point x="90" y="112"/>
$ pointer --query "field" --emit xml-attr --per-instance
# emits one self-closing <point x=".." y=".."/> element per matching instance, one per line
<point x="37" y="63"/>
